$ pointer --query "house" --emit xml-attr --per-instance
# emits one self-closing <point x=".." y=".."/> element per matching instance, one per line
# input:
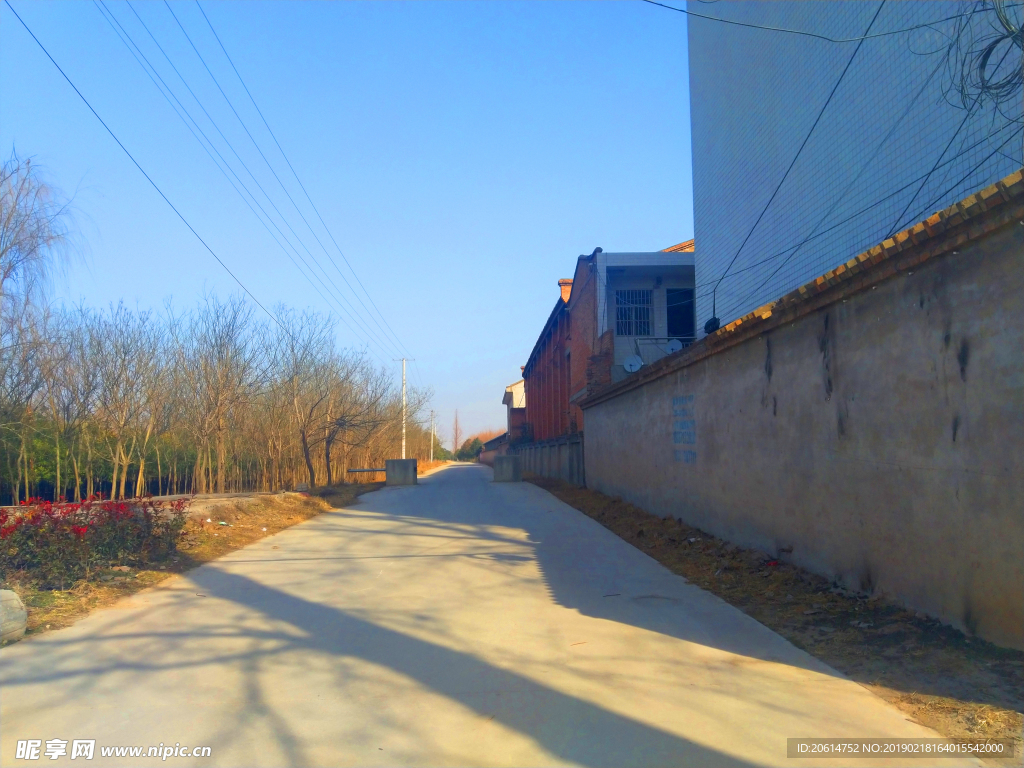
<point x="619" y="312"/>
<point x="514" y="401"/>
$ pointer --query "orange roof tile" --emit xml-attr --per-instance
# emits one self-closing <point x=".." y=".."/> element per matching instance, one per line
<point x="687" y="247"/>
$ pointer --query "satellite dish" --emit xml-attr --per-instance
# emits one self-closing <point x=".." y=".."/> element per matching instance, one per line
<point x="673" y="346"/>
<point x="633" y="363"/>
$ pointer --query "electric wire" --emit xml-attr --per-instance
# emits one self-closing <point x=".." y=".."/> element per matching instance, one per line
<point x="362" y="331"/>
<point x="146" y="67"/>
<point x="967" y="116"/>
<point x="801" y="148"/>
<point x="297" y="179"/>
<point x="354" y="320"/>
<point x="272" y="170"/>
<point x="801" y="32"/>
<point x="878" y="148"/>
<point x="860" y="212"/>
<point x="366" y="330"/>
<point x="952" y="188"/>
<point x="926" y="177"/>
<point x="142" y="170"/>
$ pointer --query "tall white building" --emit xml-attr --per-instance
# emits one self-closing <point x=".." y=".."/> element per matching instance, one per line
<point x="870" y="136"/>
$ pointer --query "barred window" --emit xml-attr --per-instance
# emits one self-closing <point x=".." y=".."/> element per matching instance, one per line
<point x="633" y="313"/>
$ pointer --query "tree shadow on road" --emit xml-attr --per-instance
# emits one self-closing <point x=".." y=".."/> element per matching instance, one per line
<point x="567" y="727"/>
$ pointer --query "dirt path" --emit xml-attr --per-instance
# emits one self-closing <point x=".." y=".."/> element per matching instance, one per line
<point x="961" y="687"/>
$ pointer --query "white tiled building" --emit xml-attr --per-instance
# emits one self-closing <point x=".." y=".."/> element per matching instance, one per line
<point x="895" y="142"/>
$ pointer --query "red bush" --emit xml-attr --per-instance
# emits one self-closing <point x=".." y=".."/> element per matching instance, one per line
<point x="58" y="543"/>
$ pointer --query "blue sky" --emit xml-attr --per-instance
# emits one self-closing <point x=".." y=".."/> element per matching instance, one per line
<point x="462" y="154"/>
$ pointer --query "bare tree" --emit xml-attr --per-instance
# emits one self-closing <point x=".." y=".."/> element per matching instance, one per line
<point x="219" y="354"/>
<point x="70" y="381"/>
<point x="33" y="229"/>
<point x="456" y="433"/>
<point x="357" y="410"/>
<point x="198" y="401"/>
<point x="131" y="342"/>
<point x="305" y="371"/>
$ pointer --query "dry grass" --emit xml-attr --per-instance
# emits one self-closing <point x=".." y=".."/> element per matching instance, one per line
<point x="246" y="519"/>
<point x="422" y="467"/>
<point x="961" y="687"/>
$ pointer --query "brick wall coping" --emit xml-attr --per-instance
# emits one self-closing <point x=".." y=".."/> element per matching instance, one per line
<point x="974" y="217"/>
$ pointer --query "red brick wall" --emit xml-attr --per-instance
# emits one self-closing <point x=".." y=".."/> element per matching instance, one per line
<point x="569" y="357"/>
<point x="546" y="382"/>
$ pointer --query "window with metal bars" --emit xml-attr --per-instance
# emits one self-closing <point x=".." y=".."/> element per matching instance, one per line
<point x="633" y="313"/>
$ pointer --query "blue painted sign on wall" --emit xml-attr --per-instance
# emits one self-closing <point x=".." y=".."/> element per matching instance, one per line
<point x="684" y="428"/>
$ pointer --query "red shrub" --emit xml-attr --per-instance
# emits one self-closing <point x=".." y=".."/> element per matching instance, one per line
<point x="61" y="542"/>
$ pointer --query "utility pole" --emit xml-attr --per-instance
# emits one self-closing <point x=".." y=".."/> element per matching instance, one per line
<point x="431" y="436"/>
<point x="403" y="404"/>
<point x="403" y="407"/>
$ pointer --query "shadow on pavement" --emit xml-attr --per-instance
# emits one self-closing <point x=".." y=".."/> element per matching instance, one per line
<point x="596" y="575"/>
<point x="581" y="732"/>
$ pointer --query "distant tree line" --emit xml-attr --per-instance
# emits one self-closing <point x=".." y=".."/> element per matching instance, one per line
<point x="130" y="402"/>
<point x="472" y="446"/>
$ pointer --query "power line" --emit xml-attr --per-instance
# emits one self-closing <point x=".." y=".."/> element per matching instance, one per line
<point x="360" y="331"/>
<point x="301" y="185"/>
<point x="366" y="330"/>
<point x="970" y="113"/>
<point x="146" y="67"/>
<point x="856" y="214"/>
<point x="930" y="208"/>
<point x="269" y="166"/>
<point x="899" y="120"/>
<point x="141" y="170"/>
<point x="712" y="323"/>
<point x="810" y="34"/>
<point x="993" y="153"/>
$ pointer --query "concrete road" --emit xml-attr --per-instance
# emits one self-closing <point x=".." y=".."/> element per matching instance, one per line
<point x="458" y="622"/>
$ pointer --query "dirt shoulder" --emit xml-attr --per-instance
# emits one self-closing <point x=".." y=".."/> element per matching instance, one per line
<point x="959" y="686"/>
<point x="214" y="528"/>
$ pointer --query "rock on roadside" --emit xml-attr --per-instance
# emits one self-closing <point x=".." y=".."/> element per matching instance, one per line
<point x="13" y="617"/>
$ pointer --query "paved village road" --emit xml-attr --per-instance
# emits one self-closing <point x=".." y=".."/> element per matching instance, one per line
<point x="457" y="622"/>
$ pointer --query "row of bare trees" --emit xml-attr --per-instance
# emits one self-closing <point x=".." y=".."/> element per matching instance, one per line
<point x="127" y="402"/>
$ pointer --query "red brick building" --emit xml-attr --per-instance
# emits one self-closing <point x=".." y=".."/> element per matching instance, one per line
<point x="619" y="311"/>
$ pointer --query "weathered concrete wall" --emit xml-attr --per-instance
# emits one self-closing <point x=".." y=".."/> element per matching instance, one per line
<point x="508" y="469"/>
<point x="561" y="458"/>
<point x="400" y="472"/>
<point x="880" y="436"/>
<point x="488" y="456"/>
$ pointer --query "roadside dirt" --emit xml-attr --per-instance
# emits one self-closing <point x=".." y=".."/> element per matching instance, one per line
<point x="214" y="528"/>
<point x="962" y="687"/>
